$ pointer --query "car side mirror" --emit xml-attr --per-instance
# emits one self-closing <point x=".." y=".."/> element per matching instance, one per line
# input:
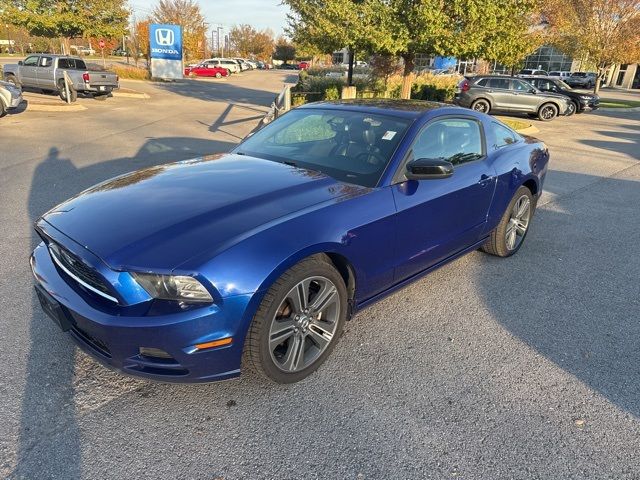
<point x="20" y="62"/>
<point x="532" y="90"/>
<point x="428" y="169"/>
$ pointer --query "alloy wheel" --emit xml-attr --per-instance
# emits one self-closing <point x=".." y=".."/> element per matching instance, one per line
<point x="304" y="324"/>
<point x="548" y="112"/>
<point x="480" y="107"/>
<point x="518" y="223"/>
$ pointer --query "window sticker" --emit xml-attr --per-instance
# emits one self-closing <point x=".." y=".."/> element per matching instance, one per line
<point x="388" y="135"/>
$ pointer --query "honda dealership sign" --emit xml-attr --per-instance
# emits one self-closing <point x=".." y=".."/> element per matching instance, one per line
<point x="165" y="43"/>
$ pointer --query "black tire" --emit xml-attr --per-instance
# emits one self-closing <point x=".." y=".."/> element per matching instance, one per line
<point x="481" y="105"/>
<point x="63" y="93"/>
<point x="12" y="79"/>
<point x="3" y="111"/>
<point x="257" y="355"/>
<point x="547" y="112"/>
<point x="497" y="242"/>
<point x="573" y="108"/>
<point x="228" y="73"/>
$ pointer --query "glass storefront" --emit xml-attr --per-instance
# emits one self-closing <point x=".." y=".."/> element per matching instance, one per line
<point x="548" y="58"/>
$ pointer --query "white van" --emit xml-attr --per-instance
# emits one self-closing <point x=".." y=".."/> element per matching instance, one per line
<point x="561" y="74"/>
<point x="228" y="63"/>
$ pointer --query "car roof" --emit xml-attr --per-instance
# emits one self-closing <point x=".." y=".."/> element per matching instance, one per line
<point x="56" y="55"/>
<point x="400" y="108"/>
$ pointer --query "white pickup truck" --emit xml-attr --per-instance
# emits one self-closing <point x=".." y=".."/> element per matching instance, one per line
<point x="46" y="72"/>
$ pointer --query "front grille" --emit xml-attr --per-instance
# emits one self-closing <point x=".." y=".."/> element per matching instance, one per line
<point x="77" y="268"/>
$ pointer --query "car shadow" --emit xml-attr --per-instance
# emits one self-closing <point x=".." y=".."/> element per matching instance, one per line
<point x="572" y="294"/>
<point x="48" y="400"/>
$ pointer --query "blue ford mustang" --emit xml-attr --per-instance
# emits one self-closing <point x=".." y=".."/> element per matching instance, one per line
<point x="183" y="272"/>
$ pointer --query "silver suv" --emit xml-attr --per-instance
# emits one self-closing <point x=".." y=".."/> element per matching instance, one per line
<point x="509" y="94"/>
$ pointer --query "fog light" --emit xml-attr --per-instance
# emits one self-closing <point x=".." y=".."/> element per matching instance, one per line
<point x="154" y="353"/>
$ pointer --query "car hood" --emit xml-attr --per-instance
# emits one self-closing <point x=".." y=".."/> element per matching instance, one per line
<point x="158" y="218"/>
<point x="553" y="95"/>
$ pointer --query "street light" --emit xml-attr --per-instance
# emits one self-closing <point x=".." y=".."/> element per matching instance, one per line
<point x="219" y="44"/>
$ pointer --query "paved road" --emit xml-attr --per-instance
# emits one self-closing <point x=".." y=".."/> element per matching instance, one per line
<point x="488" y="368"/>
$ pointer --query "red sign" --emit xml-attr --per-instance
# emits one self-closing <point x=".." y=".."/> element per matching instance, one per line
<point x="101" y="43"/>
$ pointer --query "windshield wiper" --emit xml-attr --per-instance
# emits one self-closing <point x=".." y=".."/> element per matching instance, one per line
<point x="464" y="157"/>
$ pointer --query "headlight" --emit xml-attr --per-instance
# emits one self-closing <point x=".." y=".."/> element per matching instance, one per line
<point x="179" y="288"/>
<point x="586" y="97"/>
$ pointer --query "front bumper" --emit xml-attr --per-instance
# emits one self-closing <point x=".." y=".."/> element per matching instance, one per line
<point x="114" y="338"/>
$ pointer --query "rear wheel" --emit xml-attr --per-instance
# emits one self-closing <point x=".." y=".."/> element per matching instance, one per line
<point x="298" y="323"/>
<point x="73" y="94"/>
<point x="3" y="111"/>
<point x="507" y="238"/>
<point x="547" y="112"/>
<point x="218" y="75"/>
<point x="481" y="105"/>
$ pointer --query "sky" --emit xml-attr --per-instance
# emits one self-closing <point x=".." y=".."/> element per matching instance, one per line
<point x="258" y="13"/>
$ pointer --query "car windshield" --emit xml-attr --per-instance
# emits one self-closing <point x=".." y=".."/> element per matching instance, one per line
<point x="563" y="85"/>
<point x="578" y="74"/>
<point x="350" y="146"/>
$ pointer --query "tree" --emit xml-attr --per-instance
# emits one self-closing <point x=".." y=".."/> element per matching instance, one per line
<point x="69" y="19"/>
<point x="459" y="28"/>
<point x="284" y="51"/>
<point x="139" y="41"/>
<point x="604" y="31"/>
<point x="187" y="14"/>
<point x="246" y="41"/>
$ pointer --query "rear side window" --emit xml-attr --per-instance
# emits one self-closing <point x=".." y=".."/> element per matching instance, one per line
<point x="521" y="86"/>
<point x="503" y="135"/>
<point x="502" y="83"/>
<point x="63" y="63"/>
<point x="458" y="140"/>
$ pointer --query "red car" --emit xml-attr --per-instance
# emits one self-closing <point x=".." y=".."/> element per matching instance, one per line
<point x="205" y="71"/>
<point x="304" y="65"/>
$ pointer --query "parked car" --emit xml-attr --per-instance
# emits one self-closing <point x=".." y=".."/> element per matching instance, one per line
<point x="10" y="97"/>
<point x="532" y="71"/>
<point x="81" y="50"/>
<point x="206" y="70"/>
<point x="46" y="72"/>
<point x="582" y="79"/>
<point x="579" y="101"/>
<point x="228" y="63"/>
<point x="304" y="65"/>
<point x="562" y="74"/>
<point x="288" y="66"/>
<point x="490" y="93"/>
<point x="184" y="272"/>
<point x="244" y="64"/>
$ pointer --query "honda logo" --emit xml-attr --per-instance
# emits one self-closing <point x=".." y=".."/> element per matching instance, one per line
<point x="165" y="37"/>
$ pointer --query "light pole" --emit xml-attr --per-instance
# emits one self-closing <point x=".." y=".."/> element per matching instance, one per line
<point x="219" y="44"/>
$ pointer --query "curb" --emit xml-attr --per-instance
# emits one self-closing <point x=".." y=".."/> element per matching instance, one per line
<point x="130" y="94"/>
<point x="529" y="130"/>
<point x="621" y="109"/>
<point x="40" y="107"/>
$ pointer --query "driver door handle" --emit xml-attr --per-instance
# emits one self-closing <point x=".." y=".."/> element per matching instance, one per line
<point x="484" y="180"/>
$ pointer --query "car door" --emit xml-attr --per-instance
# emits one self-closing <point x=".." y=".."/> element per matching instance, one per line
<point x="45" y="72"/>
<point x="524" y="97"/>
<point x="438" y="218"/>
<point x="499" y="93"/>
<point x="28" y="71"/>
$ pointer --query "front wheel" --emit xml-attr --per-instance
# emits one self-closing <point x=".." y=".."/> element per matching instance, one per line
<point x="572" y="108"/>
<point x="507" y="238"/>
<point x="298" y="323"/>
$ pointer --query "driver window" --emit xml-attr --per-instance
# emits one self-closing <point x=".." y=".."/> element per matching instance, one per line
<point x="45" y="61"/>
<point x="458" y="140"/>
<point x="30" y="62"/>
<point x="521" y="86"/>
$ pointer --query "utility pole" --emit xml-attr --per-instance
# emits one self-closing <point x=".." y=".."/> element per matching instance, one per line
<point x="219" y="44"/>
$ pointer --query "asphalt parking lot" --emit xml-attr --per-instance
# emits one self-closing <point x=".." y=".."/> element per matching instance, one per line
<point x="527" y="367"/>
